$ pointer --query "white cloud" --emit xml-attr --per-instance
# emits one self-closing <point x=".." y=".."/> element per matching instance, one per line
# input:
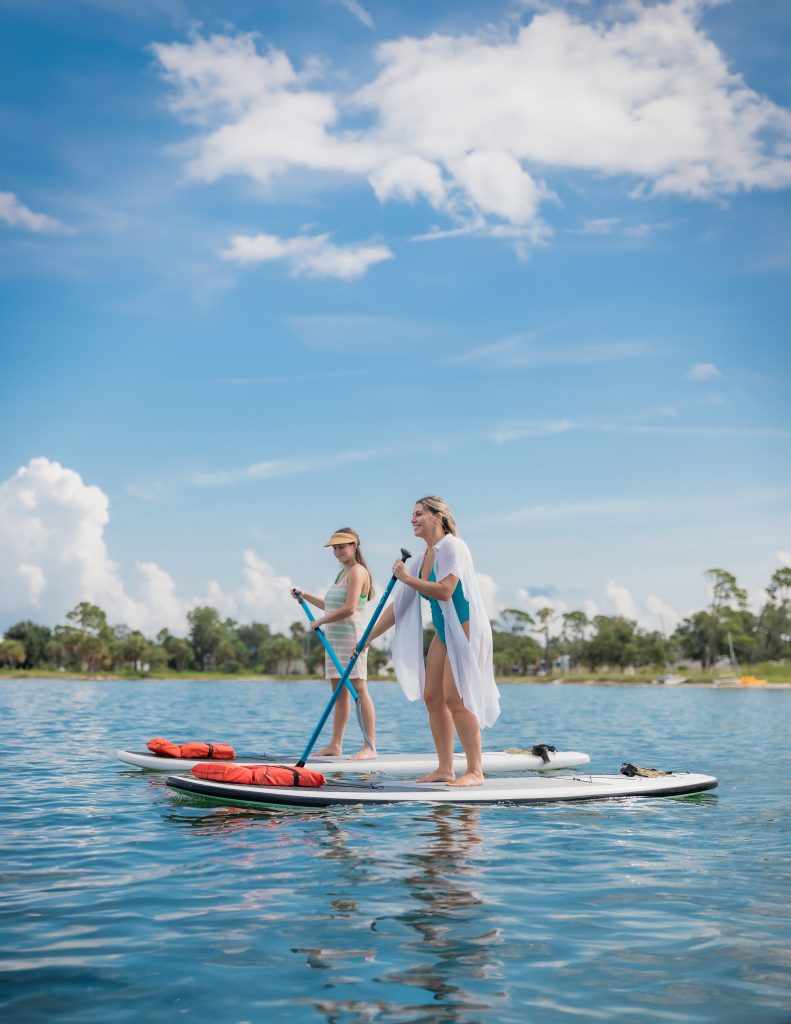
<point x="621" y="600"/>
<point x="408" y="177"/>
<point x="703" y="371"/>
<point x="33" y="577"/>
<point x="359" y="12"/>
<point x="652" y="614"/>
<point x="281" y="467"/>
<point x="517" y="430"/>
<point x="53" y="555"/>
<point x="14" y="213"/>
<point x="784" y="558"/>
<point x="665" y="619"/>
<point x="496" y="184"/>
<point x="470" y="121"/>
<point x="51" y="539"/>
<point x="521" y="352"/>
<point x="265" y="596"/>
<point x="599" y="226"/>
<point x="313" y="256"/>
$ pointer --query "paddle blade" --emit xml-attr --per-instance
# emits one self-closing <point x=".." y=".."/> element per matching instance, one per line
<point x="359" y="712"/>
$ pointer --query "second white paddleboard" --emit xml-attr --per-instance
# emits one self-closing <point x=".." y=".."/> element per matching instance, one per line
<point x="391" y="764"/>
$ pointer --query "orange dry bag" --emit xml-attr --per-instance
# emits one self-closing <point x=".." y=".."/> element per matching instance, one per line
<point x="259" y="774"/>
<point x="192" y="751"/>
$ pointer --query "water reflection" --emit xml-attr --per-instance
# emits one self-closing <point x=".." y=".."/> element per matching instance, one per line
<point x="454" y="924"/>
<point x="435" y="921"/>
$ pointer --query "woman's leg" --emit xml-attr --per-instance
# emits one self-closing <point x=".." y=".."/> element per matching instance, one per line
<point x="466" y="725"/>
<point x="439" y="716"/>
<point x="369" y="720"/>
<point x="340" y="719"/>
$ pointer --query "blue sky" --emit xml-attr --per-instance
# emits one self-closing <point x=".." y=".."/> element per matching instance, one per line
<point x="272" y="268"/>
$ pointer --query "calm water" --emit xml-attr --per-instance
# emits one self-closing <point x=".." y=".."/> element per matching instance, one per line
<point x="122" y="902"/>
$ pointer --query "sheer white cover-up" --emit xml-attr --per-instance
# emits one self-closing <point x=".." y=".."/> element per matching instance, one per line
<point x="470" y="660"/>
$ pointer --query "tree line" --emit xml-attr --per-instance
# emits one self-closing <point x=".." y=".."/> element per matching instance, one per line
<point x="524" y="644"/>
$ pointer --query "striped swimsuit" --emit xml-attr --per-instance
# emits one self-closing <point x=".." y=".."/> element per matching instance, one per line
<point x="343" y="635"/>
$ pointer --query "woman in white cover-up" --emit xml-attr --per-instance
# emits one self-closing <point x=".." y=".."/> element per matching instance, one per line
<point x="457" y="679"/>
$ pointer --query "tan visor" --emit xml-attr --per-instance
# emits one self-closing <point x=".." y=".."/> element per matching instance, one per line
<point x="340" y="538"/>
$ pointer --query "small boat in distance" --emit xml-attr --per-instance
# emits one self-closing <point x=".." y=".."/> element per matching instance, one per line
<point x="670" y="679"/>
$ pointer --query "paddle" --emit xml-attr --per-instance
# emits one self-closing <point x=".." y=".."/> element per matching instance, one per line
<point x="352" y="662"/>
<point x="334" y="657"/>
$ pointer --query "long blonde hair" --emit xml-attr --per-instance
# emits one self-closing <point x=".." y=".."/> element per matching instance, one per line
<point x="438" y="507"/>
<point x="359" y="557"/>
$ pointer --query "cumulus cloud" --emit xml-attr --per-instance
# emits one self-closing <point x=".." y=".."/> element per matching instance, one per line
<point x="472" y="123"/>
<point x="14" y="213"/>
<point x="621" y="600"/>
<point x="52" y="546"/>
<point x="53" y="555"/>
<point x="313" y="256"/>
<point x="703" y="371"/>
<point x="784" y="558"/>
<point x="409" y="177"/>
<point x="651" y="614"/>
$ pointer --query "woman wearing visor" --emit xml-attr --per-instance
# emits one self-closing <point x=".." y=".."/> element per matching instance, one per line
<point x="345" y="607"/>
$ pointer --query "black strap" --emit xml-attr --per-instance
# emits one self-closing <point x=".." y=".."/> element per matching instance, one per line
<point x="292" y="769"/>
<point x="210" y="755"/>
<point x="542" y="750"/>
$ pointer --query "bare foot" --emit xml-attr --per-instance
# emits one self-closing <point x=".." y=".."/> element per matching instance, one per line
<point x="329" y="752"/>
<point x="469" y="779"/>
<point x="437" y="776"/>
<point x="363" y="755"/>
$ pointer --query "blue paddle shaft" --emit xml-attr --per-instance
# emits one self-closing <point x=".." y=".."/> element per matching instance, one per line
<point x="326" y="645"/>
<point x="352" y="662"/>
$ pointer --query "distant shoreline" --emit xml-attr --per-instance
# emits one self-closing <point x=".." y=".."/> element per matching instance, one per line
<point x="215" y="677"/>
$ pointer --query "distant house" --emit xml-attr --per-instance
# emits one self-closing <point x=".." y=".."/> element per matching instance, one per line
<point x="291" y="667"/>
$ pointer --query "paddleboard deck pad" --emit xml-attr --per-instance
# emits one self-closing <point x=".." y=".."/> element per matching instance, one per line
<point x="510" y="790"/>
<point x="393" y="764"/>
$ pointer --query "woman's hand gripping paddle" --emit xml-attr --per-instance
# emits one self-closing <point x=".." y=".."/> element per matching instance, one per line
<point x="348" y="670"/>
<point x="334" y="658"/>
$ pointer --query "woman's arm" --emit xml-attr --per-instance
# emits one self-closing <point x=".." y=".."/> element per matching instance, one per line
<point x="317" y="602"/>
<point x="440" y="591"/>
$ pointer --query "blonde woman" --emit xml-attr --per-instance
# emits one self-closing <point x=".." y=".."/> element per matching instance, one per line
<point x="456" y="681"/>
<point x="345" y="607"/>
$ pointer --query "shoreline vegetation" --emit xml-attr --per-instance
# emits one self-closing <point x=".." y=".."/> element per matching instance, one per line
<point x="768" y="676"/>
<point x="724" y="644"/>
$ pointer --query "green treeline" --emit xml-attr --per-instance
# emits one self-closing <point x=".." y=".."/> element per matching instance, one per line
<point x="523" y="644"/>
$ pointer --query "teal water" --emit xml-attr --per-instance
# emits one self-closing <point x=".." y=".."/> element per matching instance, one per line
<point x="122" y="902"/>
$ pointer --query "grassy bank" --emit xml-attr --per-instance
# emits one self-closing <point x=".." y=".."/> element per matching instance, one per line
<point x="771" y="672"/>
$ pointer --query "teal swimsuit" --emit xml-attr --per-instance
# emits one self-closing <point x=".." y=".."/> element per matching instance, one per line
<point x="460" y="603"/>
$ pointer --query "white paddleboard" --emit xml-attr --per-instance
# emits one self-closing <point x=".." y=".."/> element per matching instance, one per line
<point x="393" y="764"/>
<point x="511" y="790"/>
